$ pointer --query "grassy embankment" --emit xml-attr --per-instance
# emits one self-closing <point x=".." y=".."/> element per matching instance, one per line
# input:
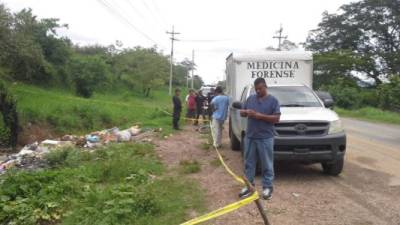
<point x="117" y="184"/>
<point x="371" y="114"/>
<point x="66" y="113"/>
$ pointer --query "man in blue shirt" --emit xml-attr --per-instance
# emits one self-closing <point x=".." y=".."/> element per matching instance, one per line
<point x="262" y="111"/>
<point x="219" y="106"/>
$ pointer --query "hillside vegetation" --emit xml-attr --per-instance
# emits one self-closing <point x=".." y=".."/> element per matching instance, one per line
<point x="67" y="113"/>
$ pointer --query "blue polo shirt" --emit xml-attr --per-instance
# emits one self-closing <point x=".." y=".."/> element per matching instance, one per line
<point x="268" y="105"/>
<point x="220" y="104"/>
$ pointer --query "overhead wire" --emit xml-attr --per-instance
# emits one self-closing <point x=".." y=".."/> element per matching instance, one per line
<point x="156" y="20"/>
<point x="159" y="13"/>
<point x="123" y="18"/>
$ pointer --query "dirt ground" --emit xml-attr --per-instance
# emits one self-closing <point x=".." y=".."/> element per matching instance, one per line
<point x="366" y="193"/>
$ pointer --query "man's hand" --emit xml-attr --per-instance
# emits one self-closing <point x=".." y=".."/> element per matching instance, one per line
<point x="251" y="113"/>
<point x="243" y="112"/>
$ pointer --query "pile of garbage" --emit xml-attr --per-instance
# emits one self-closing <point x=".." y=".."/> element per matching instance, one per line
<point x="31" y="156"/>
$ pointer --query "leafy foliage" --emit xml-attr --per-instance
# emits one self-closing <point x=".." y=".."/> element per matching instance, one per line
<point x="82" y="183"/>
<point x="367" y="29"/>
<point x="88" y="72"/>
<point x="142" y="68"/>
<point x="389" y="95"/>
<point x="31" y="51"/>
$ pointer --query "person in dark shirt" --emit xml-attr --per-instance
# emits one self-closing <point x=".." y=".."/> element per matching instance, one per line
<point x="210" y="97"/>
<point x="177" y="109"/>
<point x="262" y="111"/>
<point x="200" y="101"/>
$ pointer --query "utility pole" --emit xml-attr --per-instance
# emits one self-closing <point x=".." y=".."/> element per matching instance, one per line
<point x="280" y="37"/>
<point x="187" y="79"/>
<point x="193" y="67"/>
<point x="172" y="33"/>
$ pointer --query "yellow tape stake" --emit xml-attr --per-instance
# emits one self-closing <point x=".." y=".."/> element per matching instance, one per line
<point x="224" y="210"/>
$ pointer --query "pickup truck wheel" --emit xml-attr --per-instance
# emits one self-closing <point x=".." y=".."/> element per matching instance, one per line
<point x="235" y="143"/>
<point x="333" y="169"/>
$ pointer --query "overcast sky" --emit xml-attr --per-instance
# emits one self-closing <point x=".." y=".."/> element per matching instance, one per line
<point x="213" y="28"/>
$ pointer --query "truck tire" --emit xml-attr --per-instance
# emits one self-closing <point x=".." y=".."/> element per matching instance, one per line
<point x="235" y="143"/>
<point x="333" y="169"/>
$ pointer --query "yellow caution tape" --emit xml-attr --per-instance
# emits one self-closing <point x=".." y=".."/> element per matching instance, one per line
<point x="231" y="207"/>
<point x="239" y="179"/>
<point x="224" y="210"/>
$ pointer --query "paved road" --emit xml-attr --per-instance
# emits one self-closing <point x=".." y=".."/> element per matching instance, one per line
<point x="366" y="193"/>
<point x="378" y="132"/>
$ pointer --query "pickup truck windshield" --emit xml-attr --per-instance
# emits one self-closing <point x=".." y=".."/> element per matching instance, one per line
<point x="294" y="96"/>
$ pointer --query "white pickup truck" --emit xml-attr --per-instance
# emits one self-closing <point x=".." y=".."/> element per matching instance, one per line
<point x="308" y="131"/>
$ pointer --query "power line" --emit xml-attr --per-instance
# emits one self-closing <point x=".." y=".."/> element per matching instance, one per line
<point x="153" y="15"/>
<point x="135" y="9"/>
<point x="117" y="14"/>
<point x="207" y="40"/>
<point x="157" y="9"/>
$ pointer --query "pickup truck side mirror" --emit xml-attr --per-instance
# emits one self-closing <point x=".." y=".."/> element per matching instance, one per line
<point x="326" y="97"/>
<point x="237" y="105"/>
<point x="328" y="102"/>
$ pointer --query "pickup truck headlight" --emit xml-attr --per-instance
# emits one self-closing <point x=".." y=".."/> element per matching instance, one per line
<point x="335" y="127"/>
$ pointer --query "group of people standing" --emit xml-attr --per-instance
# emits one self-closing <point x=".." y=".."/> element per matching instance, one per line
<point x="198" y="105"/>
<point x="213" y="107"/>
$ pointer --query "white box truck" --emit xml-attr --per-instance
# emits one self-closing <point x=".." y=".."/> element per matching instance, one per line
<point x="308" y="131"/>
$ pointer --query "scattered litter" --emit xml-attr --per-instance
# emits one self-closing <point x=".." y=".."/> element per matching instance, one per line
<point x="135" y="130"/>
<point x="92" y="138"/>
<point x="296" y="195"/>
<point x="49" y="143"/>
<point x="124" y="135"/>
<point x="92" y="145"/>
<point x="31" y="156"/>
<point x="158" y="129"/>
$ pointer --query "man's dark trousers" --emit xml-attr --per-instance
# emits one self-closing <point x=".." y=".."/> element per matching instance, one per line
<point x="175" y="119"/>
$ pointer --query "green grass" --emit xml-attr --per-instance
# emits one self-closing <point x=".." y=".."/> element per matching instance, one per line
<point x="215" y="162"/>
<point x="67" y="113"/>
<point x="190" y="166"/>
<point x="118" y="184"/>
<point x="371" y="114"/>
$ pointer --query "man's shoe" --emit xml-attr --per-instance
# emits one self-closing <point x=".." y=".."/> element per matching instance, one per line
<point x="244" y="193"/>
<point x="267" y="193"/>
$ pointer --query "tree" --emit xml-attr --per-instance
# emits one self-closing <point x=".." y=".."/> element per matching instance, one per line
<point x="197" y="82"/>
<point x="180" y="75"/>
<point x="285" y="46"/>
<point x="331" y="66"/>
<point x="142" y="68"/>
<point x="30" y="49"/>
<point x="87" y="73"/>
<point x="369" y="29"/>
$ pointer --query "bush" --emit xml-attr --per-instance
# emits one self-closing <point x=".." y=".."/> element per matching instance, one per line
<point x="389" y="94"/>
<point x="8" y="109"/>
<point x="88" y="72"/>
<point x="346" y="97"/>
<point x="118" y="184"/>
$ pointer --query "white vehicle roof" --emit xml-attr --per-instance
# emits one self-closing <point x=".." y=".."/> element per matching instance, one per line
<point x="271" y="55"/>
